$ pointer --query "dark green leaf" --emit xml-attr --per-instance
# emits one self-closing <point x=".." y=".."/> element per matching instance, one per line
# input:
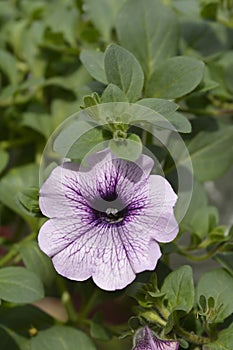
<point x="149" y="30"/>
<point x="219" y="285"/>
<point x="19" y="285"/>
<point x="179" y="289"/>
<point x="226" y="260"/>
<point x="175" y="77"/>
<point x="123" y="70"/>
<point x="4" y="157"/>
<point x="12" y="341"/>
<point x="224" y="341"/>
<point x="61" y="338"/>
<point x="93" y="61"/>
<point x="211" y="153"/>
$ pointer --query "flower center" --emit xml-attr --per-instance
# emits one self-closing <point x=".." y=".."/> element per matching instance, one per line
<point x="110" y="211"/>
<point x="113" y="215"/>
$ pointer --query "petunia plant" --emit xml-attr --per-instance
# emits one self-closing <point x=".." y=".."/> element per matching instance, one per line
<point x="116" y="159"/>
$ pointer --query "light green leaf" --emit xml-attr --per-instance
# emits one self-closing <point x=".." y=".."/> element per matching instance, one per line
<point x="129" y="148"/>
<point x="217" y="284"/>
<point x="224" y="341"/>
<point x="63" y="19"/>
<point x="103" y="14"/>
<point x="113" y="93"/>
<point x="93" y="61"/>
<point x="123" y="70"/>
<point x="175" y="77"/>
<point x="86" y="143"/>
<point x="61" y="338"/>
<point x="8" y="65"/>
<point x="149" y="30"/>
<point x="36" y="261"/>
<point x="164" y="107"/>
<point x="4" y="157"/>
<point x="179" y="289"/>
<point x="19" y="285"/>
<point x="175" y="121"/>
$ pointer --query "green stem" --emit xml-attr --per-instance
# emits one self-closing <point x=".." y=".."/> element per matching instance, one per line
<point x="14" y="251"/>
<point x="90" y="304"/>
<point x="191" y="337"/>
<point x="203" y="257"/>
<point x="66" y="300"/>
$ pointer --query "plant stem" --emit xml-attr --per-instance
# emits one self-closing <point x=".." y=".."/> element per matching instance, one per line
<point x="13" y="252"/>
<point x="90" y="304"/>
<point x="191" y="337"/>
<point x="66" y="300"/>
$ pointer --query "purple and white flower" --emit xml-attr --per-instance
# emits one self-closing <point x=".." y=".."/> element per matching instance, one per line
<point x="106" y="219"/>
<point x="145" y="339"/>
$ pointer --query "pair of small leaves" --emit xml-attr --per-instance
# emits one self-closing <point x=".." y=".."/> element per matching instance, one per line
<point x="116" y="66"/>
<point x="174" y="78"/>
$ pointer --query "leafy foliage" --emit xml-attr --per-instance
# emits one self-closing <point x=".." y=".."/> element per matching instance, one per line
<point x="134" y="73"/>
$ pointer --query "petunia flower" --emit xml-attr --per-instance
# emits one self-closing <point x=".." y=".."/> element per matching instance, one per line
<point x="106" y="219"/>
<point x="145" y="339"/>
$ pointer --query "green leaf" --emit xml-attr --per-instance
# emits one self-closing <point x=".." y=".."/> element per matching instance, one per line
<point x="20" y="285"/>
<point x="103" y="14"/>
<point x="38" y="122"/>
<point x="164" y="107"/>
<point x="176" y="121"/>
<point x="36" y="261"/>
<point x="224" y="341"/>
<point x="87" y="142"/>
<point x="175" y="77"/>
<point x="12" y="341"/>
<point x="61" y="338"/>
<point x="198" y="201"/>
<point x="8" y="65"/>
<point x="63" y="19"/>
<point x="22" y="318"/>
<point x="149" y="30"/>
<point x="29" y="199"/>
<point x="4" y="158"/>
<point x="113" y="93"/>
<point x="179" y="289"/>
<point x="217" y="284"/>
<point x="123" y="70"/>
<point x="98" y="331"/>
<point x="226" y="260"/>
<point x="204" y="219"/>
<point x="211" y="153"/>
<point x="16" y="180"/>
<point x="129" y="148"/>
<point x="93" y="61"/>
